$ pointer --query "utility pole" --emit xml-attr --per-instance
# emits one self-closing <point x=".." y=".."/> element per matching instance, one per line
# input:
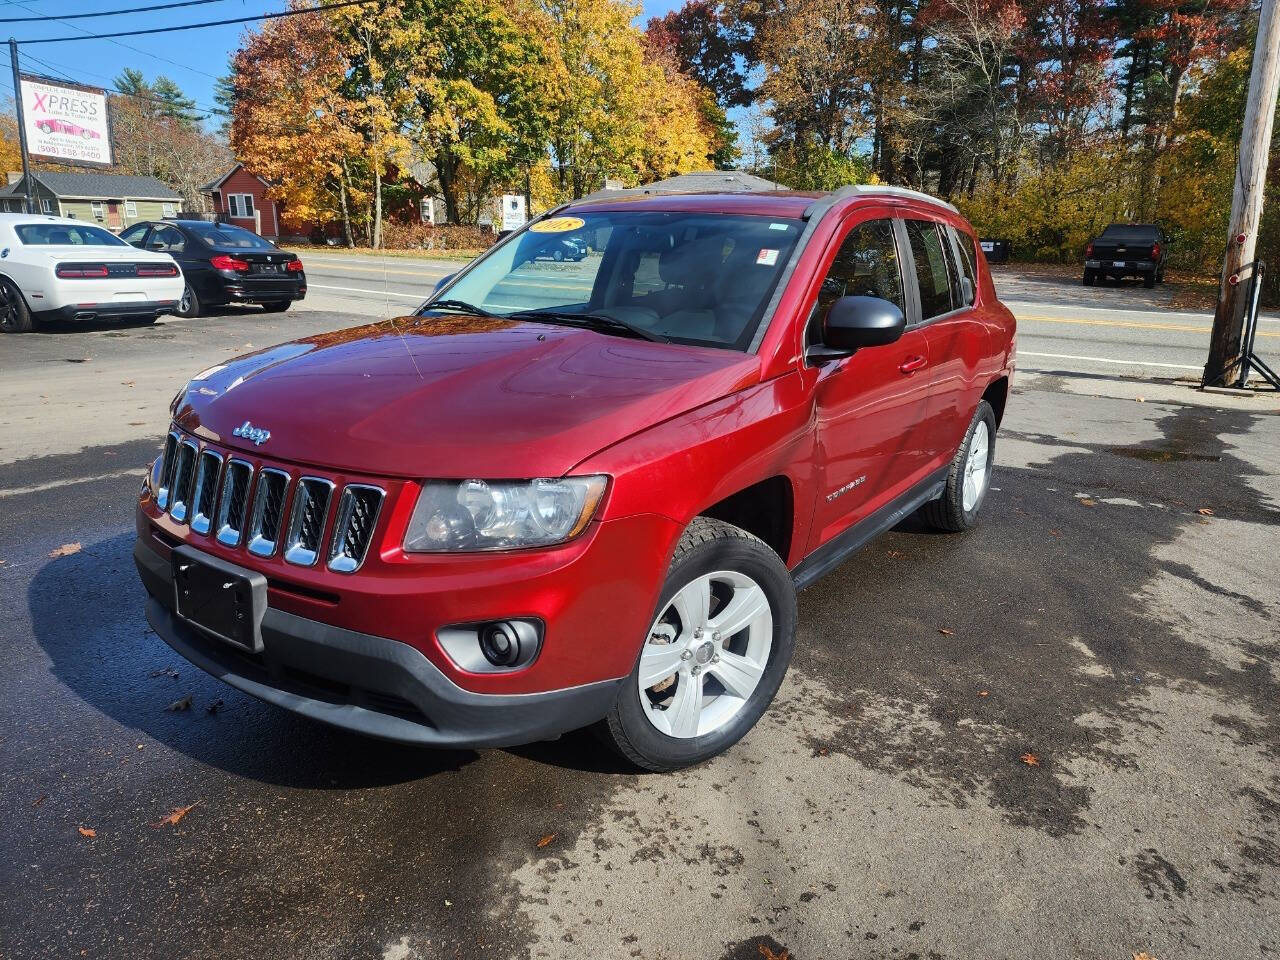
<point x="1246" y="201"/>
<point x="22" y="127"/>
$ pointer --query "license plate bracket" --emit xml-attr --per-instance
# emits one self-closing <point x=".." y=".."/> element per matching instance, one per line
<point x="219" y="598"/>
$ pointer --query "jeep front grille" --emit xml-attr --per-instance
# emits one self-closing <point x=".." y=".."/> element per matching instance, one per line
<point x="184" y="471"/>
<point x="166" y="471"/>
<point x="353" y="528"/>
<point x="256" y="509"/>
<point x="268" y="512"/>
<point x="234" y="502"/>
<point x="205" y="494"/>
<point x="306" y="521"/>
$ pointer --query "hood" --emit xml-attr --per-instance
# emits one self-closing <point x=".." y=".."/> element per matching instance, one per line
<point x="454" y="397"/>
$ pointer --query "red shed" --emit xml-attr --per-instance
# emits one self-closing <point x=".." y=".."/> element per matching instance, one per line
<point x="242" y="197"/>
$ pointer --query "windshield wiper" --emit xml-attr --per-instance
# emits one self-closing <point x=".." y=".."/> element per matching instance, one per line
<point x="460" y="306"/>
<point x="594" y="321"/>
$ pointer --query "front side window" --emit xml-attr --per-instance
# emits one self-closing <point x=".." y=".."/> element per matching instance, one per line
<point x="66" y="234"/>
<point x="931" y="268"/>
<point x="694" y="278"/>
<point x="865" y="266"/>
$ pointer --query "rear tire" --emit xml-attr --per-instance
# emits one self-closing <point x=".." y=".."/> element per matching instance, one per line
<point x="277" y="306"/>
<point x="15" y="317"/>
<point x="1149" y="279"/>
<point x="189" y="305"/>
<point x="718" y="686"/>
<point x="1089" y="278"/>
<point x="969" y="477"/>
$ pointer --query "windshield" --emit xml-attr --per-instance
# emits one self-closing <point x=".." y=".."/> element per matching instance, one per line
<point x="66" y="234"/>
<point x="226" y="236"/>
<point x="688" y="277"/>
<point x="1131" y="233"/>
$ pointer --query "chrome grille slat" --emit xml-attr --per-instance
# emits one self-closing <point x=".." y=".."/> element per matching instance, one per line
<point x="306" y="520"/>
<point x="353" y="528"/>
<point x="205" y="495"/>
<point x="268" y="511"/>
<point x="184" y="474"/>
<point x="234" y="502"/>
<point x="166" y="470"/>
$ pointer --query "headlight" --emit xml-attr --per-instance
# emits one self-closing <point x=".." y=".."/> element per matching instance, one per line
<point x="480" y="515"/>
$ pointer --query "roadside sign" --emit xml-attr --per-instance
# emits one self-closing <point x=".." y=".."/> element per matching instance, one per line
<point x="513" y="212"/>
<point x="65" y="122"/>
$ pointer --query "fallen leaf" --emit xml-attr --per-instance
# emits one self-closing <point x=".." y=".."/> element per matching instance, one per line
<point x="945" y="632"/>
<point x="1140" y="399"/>
<point x="1055" y="533"/>
<point x="87" y="832"/>
<point x="767" y="953"/>
<point x="40" y="799"/>
<point x="1088" y="502"/>
<point x="214" y="706"/>
<point x="66" y="550"/>
<point x="1205" y="511"/>
<point x="984" y="693"/>
<point x="172" y="819"/>
<point x="545" y="840"/>
<point x="1143" y="955"/>
<point x="183" y="704"/>
<point x="166" y="672"/>
<point x="1030" y="759"/>
<point x="448" y="903"/>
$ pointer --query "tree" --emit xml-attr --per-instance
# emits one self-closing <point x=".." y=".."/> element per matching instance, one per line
<point x="702" y="39"/>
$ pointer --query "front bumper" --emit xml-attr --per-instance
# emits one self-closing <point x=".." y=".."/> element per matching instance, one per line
<point x="364" y="683"/>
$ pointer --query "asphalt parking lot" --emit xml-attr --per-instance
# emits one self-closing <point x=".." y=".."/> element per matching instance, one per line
<point x="1054" y="736"/>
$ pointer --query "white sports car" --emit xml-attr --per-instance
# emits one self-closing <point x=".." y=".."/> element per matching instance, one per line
<point x="53" y="268"/>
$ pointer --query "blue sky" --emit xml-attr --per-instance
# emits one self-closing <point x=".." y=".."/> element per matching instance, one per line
<point x="193" y="59"/>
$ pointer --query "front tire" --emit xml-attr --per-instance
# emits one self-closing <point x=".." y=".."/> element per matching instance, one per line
<point x="720" y="644"/>
<point x="969" y="477"/>
<point x="15" y="317"/>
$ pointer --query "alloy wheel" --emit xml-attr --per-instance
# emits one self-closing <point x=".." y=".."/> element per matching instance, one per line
<point x="705" y="654"/>
<point x="184" y="304"/>
<point x="8" y="309"/>
<point x="977" y="466"/>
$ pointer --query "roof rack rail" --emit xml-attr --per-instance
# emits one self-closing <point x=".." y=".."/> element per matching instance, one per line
<point x="871" y="190"/>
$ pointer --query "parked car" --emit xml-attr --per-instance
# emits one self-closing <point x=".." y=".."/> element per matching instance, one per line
<point x="1127" y="250"/>
<point x="54" y="268"/>
<point x="50" y="125"/>
<point x="223" y="264"/>
<point x="498" y="520"/>
<point x="559" y="249"/>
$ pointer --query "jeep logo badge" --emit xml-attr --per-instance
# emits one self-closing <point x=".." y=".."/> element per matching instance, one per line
<point x="248" y="431"/>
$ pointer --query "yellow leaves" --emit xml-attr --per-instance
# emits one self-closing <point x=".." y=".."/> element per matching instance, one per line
<point x="87" y="832"/>
<point x="172" y="819"/>
<point x="1030" y="759"/>
<point x="546" y="840"/>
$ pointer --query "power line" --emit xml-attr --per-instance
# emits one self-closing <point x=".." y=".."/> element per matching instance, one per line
<point x="205" y="113"/>
<point x="108" y="13"/>
<point x="126" y="46"/>
<point x="208" y="23"/>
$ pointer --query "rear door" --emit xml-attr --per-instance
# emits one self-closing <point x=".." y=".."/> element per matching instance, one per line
<point x="957" y="336"/>
<point x="870" y="407"/>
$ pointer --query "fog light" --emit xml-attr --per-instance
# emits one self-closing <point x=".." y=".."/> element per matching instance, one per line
<point x="500" y="644"/>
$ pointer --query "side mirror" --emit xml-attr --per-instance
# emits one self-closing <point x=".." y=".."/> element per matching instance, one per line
<point x="442" y="281"/>
<point x="852" y="323"/>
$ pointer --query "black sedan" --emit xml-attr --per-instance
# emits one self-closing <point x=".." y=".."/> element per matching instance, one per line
<point x="223" y="264"/>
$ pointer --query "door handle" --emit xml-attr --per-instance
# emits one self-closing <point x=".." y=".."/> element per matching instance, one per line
<point x="912" y="364"/>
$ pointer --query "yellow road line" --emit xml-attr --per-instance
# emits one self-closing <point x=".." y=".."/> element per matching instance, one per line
<point x="1131" y="324"/>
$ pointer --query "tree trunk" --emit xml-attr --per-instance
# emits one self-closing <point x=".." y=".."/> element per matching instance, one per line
<point x="342" y="201"/>
<point x="446" y="169"/>
<point x="376" y="240"/>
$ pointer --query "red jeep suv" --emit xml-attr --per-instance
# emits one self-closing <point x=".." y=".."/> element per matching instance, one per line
<point x="571" y="493"/>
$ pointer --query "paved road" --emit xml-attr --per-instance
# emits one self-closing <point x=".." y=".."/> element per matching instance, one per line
<point x="1095" y="623"/>
<point x="1063" y="326"/>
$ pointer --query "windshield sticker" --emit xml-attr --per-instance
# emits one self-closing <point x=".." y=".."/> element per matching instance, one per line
<point x="768" y="257"/>
<point x="557" y="225"/>
<point x="779" y="226"/>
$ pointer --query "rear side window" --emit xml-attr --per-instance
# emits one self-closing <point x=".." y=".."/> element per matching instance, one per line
<point x="167" y="240"/>
<point x="866" y="266"/>
<point x="66" y="235"/>
<point x="931" y="268"/>
<point x="967" y="267"/>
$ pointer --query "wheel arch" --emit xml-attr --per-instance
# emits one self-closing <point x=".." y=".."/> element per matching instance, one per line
<point x="765" y="509"/>
<point x="997" y="395"/>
